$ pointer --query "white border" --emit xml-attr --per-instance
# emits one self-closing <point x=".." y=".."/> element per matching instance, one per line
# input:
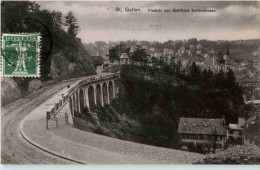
<point x="138" y="167"/>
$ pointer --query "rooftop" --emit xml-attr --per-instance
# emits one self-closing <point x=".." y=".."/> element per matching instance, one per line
<point x="124" y="55"/>
<point x="234" y="127"/>
<point x="253" y="102"/>
<point x="201" y="126"/>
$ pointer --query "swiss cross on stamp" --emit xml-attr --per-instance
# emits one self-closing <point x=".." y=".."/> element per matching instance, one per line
<point x="21" y="55"/>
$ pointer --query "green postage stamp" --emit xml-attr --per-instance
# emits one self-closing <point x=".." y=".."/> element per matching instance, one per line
<point x="21" y="55"/>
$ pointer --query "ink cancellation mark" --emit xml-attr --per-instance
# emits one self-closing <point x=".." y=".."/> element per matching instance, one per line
<point x="21" y="55"/>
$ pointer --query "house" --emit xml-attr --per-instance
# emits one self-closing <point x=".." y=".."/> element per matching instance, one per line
<point x="139" y="43"/>
<point x="206" y="55"/>
<point x="199" y="52"/>
<point x="152" y="49"/>
<point x="256" y="64"/>
<point x="199" y="47"/>
<point x="203" y="132"/>
<point x="171" y="52"/>
<point x="132" y="49"/>
<point x="150" y="61"/>
<point x="256" y="52"/>
<point x="189" y="52"/>
<point x="166" y="51"/>
<point x="184" y="62"/>
<point x="251" y="134"/>
<point x="157" y="55"/>
<point x="124" y="59"/>
<point x="212" y="51"/>
<point x="192" y="47"/>
<point x="234" y="132"/>
<point x="181" y="51"/>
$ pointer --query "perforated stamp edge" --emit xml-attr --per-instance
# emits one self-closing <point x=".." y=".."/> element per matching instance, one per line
<point x="38" y="56"/>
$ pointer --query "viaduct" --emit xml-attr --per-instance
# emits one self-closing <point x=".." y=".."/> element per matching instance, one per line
<point x="95" y="90"/>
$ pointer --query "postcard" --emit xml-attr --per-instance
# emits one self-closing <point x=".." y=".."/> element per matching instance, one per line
<point x="130" y="82"/>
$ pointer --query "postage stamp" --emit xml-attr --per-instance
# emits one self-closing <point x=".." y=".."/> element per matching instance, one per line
<point x="21" y="55"/>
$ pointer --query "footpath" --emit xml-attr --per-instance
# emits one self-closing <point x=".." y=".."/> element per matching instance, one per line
<point x="88" y="148"/>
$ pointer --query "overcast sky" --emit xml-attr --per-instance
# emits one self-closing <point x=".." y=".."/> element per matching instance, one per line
<point x="99" y="21"/>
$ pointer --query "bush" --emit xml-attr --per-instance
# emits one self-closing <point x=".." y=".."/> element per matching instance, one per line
<point x="239" y="154"/>
<point x="98" y="131"/>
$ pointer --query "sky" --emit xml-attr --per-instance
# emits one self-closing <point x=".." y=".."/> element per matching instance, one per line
<point x="100" y="21"/>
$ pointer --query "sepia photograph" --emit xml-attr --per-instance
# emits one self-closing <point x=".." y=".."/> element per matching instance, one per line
<point x="130" y="82"/>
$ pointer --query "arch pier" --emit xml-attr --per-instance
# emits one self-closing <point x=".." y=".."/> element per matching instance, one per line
<point x="86" y="93"/>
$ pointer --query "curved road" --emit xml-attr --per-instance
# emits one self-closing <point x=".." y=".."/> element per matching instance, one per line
<point x="15" y="149"/>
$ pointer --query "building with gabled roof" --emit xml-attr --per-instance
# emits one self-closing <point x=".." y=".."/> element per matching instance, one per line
<point x="234" y="131"/>
<point x="199" y="47"/>
<point x="124" y="59"/>
<point x="251" y="134"/>
<point x="200" y="131"/>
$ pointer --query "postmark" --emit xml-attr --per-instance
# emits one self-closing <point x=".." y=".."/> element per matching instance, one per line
<point x="30" y="26"/>
<point x="21" y="55"/>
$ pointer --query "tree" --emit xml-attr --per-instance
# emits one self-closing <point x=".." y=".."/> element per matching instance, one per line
<point x="113" y="55"/>
<point x="139" y="55"/>
<point x="71" y="21"/>
<point x="220" y="79"/>
<point x="116" y="51"/>
<point x="193" y="41"/>
<point x="33" y="6"/>
<point x="230" y="79"/>
<point x="239" y="154"/>
<point x="57" y="18"/>
<point x="194" y="73"/>
<point x="178" y="68"/>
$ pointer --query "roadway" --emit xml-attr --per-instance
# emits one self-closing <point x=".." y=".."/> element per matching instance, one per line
<point x="14" y="148"/>
<point x="90" y="147"/>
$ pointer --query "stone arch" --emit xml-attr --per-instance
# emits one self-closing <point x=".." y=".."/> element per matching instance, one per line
<point x="91" y="97"/>
<point x="99" y="95"/>
<point x="105" y="93"/>
<point x="81" y="99"/>
<point x="111" y="91"/>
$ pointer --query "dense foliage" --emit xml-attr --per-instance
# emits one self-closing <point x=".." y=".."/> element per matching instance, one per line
<point x="106" y="121"/>
<point x="234" y="155"/>
<point x="116" y="51"/>
<point x="190" y="93"/>
<point x="160" y="94"/>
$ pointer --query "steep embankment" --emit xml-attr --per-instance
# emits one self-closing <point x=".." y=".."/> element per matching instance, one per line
<point x="10" y="90"/>
<point x="67" y="61"/>
<point x="62" y="54"/>
<point x="70" y="59"/>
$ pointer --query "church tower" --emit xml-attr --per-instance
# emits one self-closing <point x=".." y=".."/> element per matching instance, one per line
<point x="227" y="59"/>
<point x="221" y="62"/>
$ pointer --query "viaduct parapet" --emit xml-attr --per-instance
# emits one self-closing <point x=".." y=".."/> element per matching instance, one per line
<point x="86" y="93"/>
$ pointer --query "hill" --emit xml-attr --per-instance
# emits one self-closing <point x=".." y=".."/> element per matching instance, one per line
<point x="62" y="54"/>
